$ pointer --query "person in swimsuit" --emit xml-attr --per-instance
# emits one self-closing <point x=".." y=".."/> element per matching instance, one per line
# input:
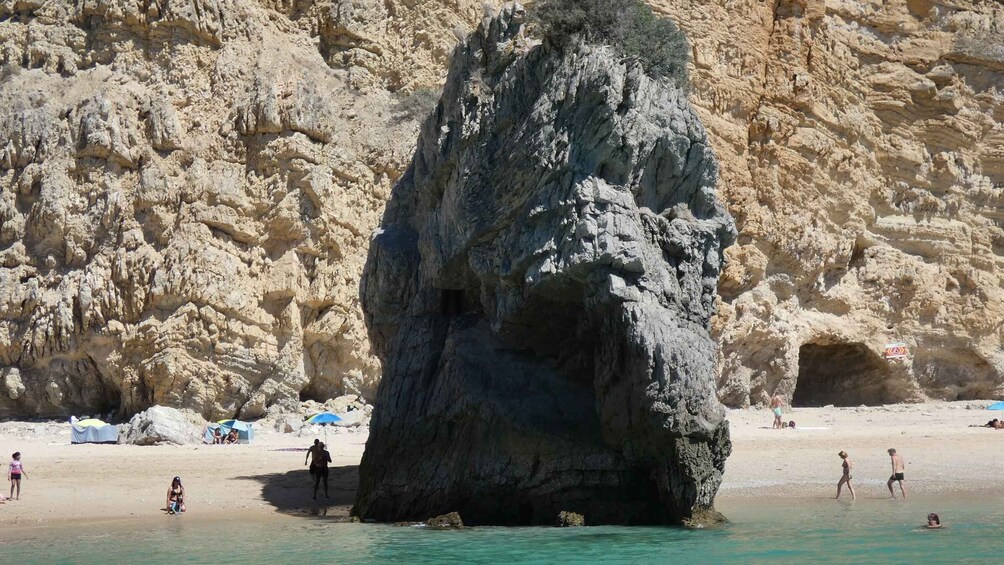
<point x="898" y="468"/>
<point x="14" y="474"/>
<point x="217" y="437"/>
<point x="232" y="437"/>
<point x="313" y="453"/>
<point x="846" y="478"/>
<point x="775" y="405"/>
<point x="175" y="497"/>
<point x="321" y="469"/>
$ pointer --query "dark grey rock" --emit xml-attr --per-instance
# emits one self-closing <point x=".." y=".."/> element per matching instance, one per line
<point x="450" y="521"/>
<point x="570" y="519"/>
<point x="540" y="293"/>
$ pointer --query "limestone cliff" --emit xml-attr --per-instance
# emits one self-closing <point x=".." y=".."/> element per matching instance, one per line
<point x="540" y="292"/>
<point x="187" y="188"/>
<point x="862" y="152"/>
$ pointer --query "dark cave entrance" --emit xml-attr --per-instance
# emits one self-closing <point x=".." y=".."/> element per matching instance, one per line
<point x="843" y="374"/>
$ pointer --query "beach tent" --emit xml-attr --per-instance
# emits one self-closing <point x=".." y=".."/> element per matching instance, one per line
<point x="996" y="406"/>
<point x="93" y="430"/>
<point x="245" y="431"/>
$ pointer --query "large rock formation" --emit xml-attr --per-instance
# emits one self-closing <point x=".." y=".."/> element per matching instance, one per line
<point x="186" y="192"/>
<point x="540" y="293"/>
<point x="862" y="151"/>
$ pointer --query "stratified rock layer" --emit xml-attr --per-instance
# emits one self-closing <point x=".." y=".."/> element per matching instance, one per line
<point x="540" y="294"/>
<point x="187" y="188"/>
<point x="862" y="153"/>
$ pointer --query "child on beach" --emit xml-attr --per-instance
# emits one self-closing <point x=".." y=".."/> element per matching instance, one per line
<point x="14" y="474"/>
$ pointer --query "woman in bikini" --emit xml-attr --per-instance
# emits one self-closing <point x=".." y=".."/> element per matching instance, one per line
<point x="846" y="478"/>
<point x="176" y="497"/>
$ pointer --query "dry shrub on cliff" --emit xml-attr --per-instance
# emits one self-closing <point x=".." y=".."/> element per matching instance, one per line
<point x="629" y="26"/>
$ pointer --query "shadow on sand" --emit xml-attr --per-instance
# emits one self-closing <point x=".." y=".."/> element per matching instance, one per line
<point x="290" y="492"/>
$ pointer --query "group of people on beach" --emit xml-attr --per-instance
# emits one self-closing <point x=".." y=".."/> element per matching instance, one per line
<point x="220" y="439"/>
<point x="898" y="474"/>
<point x="319" y="458"/>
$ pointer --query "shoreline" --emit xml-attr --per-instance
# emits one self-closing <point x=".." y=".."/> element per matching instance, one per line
<point x="122" y="486"/>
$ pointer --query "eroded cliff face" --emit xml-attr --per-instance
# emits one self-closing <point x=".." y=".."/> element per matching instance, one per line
<point x="176" y="174"/>
<point x="540" y="293"/>
<point x="862" y="152"/>
<point x="187" y="188"/>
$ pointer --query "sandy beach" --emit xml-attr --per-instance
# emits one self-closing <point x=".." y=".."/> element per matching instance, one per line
<point x="268" y="481"/>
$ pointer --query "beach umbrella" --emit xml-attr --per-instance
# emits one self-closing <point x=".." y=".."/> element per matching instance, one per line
<point x="324" y="419"/>
<point x="996" y="406"/>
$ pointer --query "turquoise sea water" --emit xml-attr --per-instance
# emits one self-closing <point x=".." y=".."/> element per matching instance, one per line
<point x="761" y="531"/>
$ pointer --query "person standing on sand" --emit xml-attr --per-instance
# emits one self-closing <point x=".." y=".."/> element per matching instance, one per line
<point x="898" y="468"/>
<point x="775" y="405"/>
<point x="321" y="470"/>
<point x="14" y="473"/>
<point x="846" y="478"/>
<point x="312" y="453"/>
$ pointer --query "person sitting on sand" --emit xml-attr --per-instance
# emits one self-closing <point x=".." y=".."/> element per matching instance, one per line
<point x="175" y="497"/>
<point x="898" y="468"/>
<point x="933" y="522"/>
<point x="14" y="474"/>
<point x="217" y="436"/>
<point x="846" y="478"/>
<point x="775" y="405"/>
<point x="791" y="425"/>
<point x="232" y="437"/>
<point x="321" y="469"/>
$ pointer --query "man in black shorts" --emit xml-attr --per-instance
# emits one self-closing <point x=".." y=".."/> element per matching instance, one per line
<point x="898" y="468"/>
<point x="321" y="469"/>
<point x="313" y="453"/>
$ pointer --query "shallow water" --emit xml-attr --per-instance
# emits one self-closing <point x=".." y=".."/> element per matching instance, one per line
<point x="761" y="531"/>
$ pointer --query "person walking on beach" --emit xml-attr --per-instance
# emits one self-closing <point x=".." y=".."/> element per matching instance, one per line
<point x="898" y="468"/>
<point x="846" y="478"/>
<point x="312" y="453"/>
<point x="14" y="474"/>
<point x="775" y="405"/>
<point x="321" y="469"/>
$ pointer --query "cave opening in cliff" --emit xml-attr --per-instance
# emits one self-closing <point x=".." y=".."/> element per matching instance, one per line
<point x="843" y="374"/>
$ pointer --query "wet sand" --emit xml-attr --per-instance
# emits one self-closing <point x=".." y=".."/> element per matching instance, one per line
<point x="268" y="481"/>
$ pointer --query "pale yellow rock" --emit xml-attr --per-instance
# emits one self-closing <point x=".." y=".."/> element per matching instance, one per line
<point x="862" y="153"/>
<point x="188" y="190"/>
<point x="188" y="187"/>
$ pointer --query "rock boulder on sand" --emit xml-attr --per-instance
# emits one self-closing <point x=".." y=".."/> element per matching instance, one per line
<point x="540" y="293"/>
<point x="160" y="424"/>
